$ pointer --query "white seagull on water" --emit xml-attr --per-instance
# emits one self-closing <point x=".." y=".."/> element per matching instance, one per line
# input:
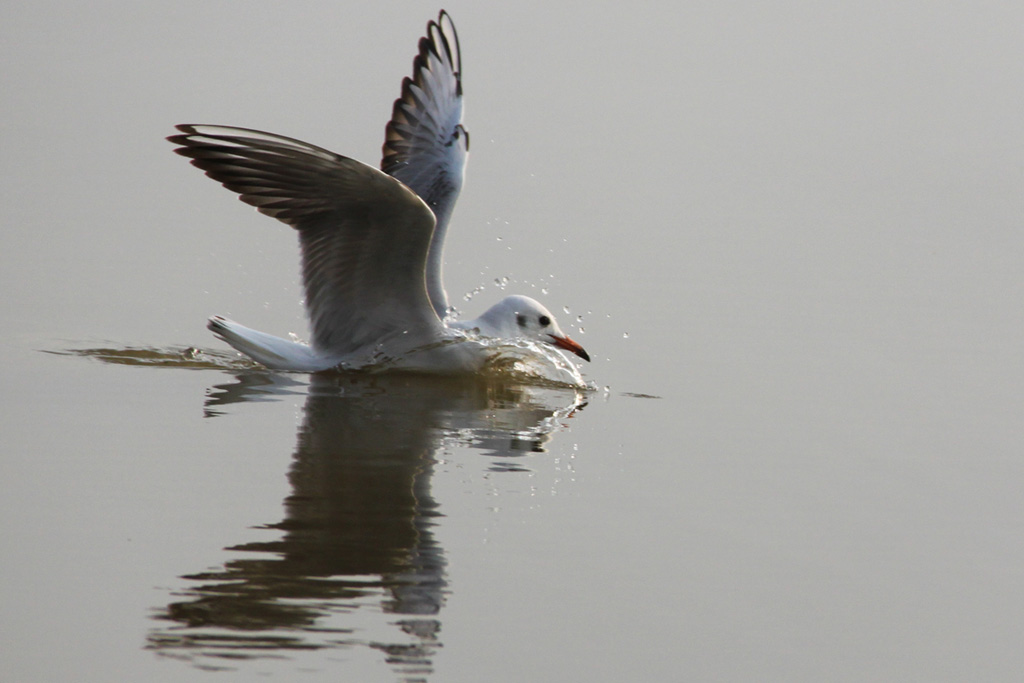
<point x="372" y="241"/>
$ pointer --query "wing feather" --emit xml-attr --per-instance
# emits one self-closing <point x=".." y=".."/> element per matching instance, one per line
<point x="425" y="144"/>
<point x="365" y="236"/>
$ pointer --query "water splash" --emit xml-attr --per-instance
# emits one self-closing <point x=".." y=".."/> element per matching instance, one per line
<point x="522" y="360"/>
<point x="516" y="361"/>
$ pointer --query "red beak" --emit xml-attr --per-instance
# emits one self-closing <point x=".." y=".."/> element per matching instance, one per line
<point x="570" y="345"/>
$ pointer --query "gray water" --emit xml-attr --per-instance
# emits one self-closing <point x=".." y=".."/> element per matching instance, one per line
<point x="788" y="235"/>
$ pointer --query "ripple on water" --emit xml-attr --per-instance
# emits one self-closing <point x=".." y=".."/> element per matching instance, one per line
<point x="512" y="361"/>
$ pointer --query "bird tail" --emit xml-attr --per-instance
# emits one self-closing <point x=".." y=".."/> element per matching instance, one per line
<point x="274" y="352"/>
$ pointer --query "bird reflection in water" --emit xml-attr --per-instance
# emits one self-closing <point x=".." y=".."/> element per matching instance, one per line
<point x="357" y="541"/>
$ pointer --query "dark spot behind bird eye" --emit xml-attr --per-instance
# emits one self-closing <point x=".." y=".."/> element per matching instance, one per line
<point x="521" y="320"/>
<point x="544" y="321"/>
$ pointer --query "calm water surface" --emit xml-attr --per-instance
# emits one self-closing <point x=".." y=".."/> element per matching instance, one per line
<point x="789" y="236"/>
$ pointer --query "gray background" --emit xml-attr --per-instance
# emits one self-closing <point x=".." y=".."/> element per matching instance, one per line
<point x="798" y="224"/>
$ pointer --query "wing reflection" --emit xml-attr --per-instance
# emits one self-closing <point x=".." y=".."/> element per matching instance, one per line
<point x="357" y="547"/>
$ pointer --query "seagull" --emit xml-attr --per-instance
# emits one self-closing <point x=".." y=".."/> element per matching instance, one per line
<point x="372" y="241"/>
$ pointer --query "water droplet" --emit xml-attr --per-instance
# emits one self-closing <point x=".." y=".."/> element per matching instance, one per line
<point x="625" y="335"/>
<point x="566" y="309"/>
<point x="544" y="290"/>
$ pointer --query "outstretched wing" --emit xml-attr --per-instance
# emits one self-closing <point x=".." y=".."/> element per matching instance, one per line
<point x="364" y="235"/>
<point x="425" y="144"/>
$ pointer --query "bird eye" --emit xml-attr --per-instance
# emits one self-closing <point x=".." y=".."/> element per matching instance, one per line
<point x="544" y="321"/>
<point x="521" y="320"/>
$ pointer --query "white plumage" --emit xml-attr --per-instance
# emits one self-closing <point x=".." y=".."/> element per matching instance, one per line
<point x="372" y="241"/>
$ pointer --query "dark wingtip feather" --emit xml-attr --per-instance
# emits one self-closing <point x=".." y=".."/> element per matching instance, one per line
<point x="435" y="43"/>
